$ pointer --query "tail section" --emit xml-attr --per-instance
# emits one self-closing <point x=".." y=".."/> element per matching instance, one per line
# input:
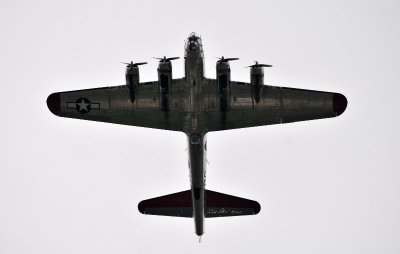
<point x="221" y="205"/>
<point x="217" y="205"/>
<point x="177" y="204"/>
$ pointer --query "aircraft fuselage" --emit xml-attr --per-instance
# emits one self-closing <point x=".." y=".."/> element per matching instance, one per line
<point x="194" y="127"/>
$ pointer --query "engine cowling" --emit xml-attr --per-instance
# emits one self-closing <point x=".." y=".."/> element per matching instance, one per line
<point x="132" y="81"/>
<point x="132" y="78"/>
<point x="164" y="77"/>
<point x="257" y="79"/>
<point x="165" y="80"/>
<point x="224" y="82"/>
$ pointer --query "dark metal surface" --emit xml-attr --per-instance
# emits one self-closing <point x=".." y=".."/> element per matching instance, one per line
<point x="196" y="105"/>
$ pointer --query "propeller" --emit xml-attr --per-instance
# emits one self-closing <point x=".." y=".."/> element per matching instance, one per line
<point x="131" y="64"/>
<point x="259" y="65"/>
<point x="225" y="60"/>
<point x="165" y="59"/>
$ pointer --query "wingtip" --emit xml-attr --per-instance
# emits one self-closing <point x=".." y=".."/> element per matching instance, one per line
<point x="53" y="103"/>
<point x="339" y="103"/>
<point x="141" y="207"/>
<point x="257" y="208"/>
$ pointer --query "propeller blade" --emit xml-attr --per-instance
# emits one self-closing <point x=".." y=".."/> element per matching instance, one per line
<point x="224" y="60"/>
<point x="136" y="64"/>
<point x="131" y="64"/>
<point x="172" y="58"/>
<point x="231" y="59"/>
<point x="259" y="65"/>
<point x="165" y="59"/>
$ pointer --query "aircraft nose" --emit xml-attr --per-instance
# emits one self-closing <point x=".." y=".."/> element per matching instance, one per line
<point x="53" y="103"/>
<point x="193" y="35"/>
<point x="339" y="103"/>
<point x="193" y="45"/>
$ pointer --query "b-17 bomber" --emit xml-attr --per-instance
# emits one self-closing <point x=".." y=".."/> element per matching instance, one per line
<point x="196" y="105"/>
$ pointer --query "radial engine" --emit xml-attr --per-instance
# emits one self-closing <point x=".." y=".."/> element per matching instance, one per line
<point x="223" y="81"/>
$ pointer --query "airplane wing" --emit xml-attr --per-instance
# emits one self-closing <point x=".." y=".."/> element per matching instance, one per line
<point x="113" y="105"/>
<point x="276" y="105"/>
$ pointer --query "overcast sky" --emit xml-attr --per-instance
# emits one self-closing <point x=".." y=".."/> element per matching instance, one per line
<point x="327" y="186"/>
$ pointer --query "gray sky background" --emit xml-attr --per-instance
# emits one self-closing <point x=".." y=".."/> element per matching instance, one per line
<point x="327" y="186"/>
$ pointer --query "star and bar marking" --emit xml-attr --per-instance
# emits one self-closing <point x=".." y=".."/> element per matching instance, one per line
<point x="83" y="105"/>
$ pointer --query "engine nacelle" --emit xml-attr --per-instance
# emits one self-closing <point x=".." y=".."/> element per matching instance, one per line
<point x="132" y="81"/>
<point x="164" y="80"/>
<point x="257" y="81"/>
<point x="223" y="82"/>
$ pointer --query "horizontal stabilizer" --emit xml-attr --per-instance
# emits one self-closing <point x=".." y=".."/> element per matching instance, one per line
<point x="217" y="205"/>
<point x="177" y="204"/>
<point x="221" y="205"/>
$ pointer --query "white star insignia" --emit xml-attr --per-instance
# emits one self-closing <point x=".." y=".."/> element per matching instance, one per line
<point x="83" y="106"/>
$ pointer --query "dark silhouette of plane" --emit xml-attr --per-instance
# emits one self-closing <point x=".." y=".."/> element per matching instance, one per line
<point x="197" y="105"/>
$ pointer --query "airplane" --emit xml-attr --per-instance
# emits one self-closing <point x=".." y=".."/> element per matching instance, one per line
<point x="196" y="105"/>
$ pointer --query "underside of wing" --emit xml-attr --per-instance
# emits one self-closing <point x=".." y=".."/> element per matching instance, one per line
<point x="113" y="105"/>
<point x="274" y="105"/>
